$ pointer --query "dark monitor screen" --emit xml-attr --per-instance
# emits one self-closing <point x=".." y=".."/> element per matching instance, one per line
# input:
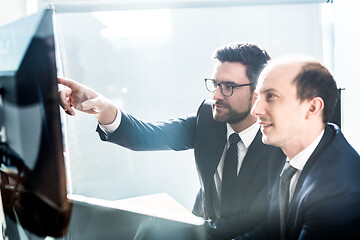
<point x="33" y="180"/>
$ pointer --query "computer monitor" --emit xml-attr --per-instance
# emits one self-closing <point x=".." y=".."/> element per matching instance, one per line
<point x="33" y="176"/>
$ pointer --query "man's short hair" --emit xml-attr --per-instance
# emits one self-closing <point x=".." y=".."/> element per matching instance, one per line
<point x="248" y="54"/>
<point x="314" y="80"/>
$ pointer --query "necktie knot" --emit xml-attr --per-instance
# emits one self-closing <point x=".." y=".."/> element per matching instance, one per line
<point x="234" y="138"/>
<point x="288" y="171"/>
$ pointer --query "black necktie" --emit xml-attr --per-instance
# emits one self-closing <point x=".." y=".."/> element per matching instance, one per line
<point x="229" y="176"/>
<point x="285" y="177"/>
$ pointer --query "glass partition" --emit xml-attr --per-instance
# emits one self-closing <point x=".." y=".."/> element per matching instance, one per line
<point x="152" y="64"/>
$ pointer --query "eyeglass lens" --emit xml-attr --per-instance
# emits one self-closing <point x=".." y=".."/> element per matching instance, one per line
<point x="225" y="89"/>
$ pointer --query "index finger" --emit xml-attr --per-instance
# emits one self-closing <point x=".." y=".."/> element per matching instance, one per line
<point x="68" y="83"/>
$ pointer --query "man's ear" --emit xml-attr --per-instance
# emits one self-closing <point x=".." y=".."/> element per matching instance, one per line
<point x="316" y="106"/>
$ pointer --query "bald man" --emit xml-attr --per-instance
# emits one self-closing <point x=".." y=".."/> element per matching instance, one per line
<point x="295" y="98"/>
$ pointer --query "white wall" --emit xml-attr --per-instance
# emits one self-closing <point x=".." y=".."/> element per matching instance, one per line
<point x="11" y="10"/>
<point x="15" y="9"/>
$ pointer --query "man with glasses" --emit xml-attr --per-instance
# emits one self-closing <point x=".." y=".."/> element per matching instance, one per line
<point x="230" y="156"/>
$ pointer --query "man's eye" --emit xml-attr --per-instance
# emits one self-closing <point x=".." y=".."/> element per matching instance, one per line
<point x="227" y="87"/>
<point x="269" y="96"/>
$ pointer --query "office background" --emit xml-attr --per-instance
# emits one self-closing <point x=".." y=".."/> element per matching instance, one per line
<point x="150" y="57"/>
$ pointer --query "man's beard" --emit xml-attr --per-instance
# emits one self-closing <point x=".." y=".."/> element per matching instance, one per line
<point x="231" y="116"/>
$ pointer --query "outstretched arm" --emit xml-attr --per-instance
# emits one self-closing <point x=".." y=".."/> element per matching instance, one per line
<point x="83" y="98"/>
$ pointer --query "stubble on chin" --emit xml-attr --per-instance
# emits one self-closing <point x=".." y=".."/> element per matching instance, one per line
<point x="220" y="116"/>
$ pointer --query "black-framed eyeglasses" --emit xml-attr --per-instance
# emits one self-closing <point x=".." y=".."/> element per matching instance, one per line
<point x="226" y="89"/>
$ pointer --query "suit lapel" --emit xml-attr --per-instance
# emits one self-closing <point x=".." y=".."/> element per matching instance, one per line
<point x="208" y="155"/>
<point x="214" y="143"/>
<point x="328" y="136"/>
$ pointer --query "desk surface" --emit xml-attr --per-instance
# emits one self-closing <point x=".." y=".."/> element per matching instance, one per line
<point x="136" y="218"/>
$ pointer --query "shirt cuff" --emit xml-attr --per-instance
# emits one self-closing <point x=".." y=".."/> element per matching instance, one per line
<point x="110" y="128"/>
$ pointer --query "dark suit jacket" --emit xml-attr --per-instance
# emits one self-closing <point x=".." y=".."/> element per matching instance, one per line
<point x="208" y="138"/>
<point x="326" y="201"/>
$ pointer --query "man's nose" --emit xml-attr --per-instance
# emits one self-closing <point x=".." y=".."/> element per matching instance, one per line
<point x="258" y="108"/>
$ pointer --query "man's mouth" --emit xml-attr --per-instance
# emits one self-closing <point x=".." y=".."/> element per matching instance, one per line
<point x="265" y="126"/>
<point x="218" y="104"/>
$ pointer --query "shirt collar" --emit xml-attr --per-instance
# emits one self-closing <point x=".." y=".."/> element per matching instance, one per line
<point x="247" y="135"/>
<point x="302" y="157"/>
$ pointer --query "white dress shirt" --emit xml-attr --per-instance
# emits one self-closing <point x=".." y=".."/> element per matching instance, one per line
<point x="299" y="161"/>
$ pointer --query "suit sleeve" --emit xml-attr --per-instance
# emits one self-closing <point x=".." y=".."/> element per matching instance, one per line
<point x="174" y="134"/>
<point x="261" y="232"/>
